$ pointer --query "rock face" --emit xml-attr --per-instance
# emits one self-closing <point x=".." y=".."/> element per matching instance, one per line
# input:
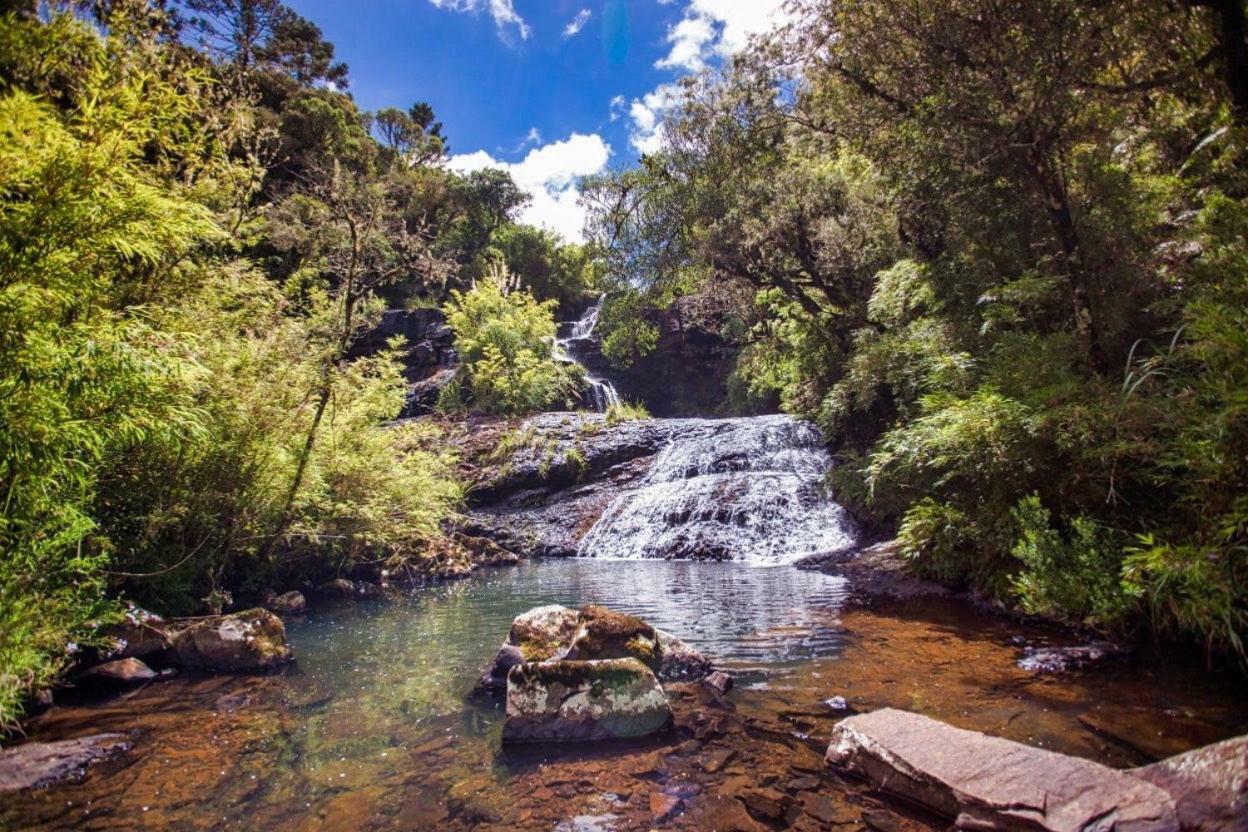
<point x="38" y="764"/>
<point x="1209" y="785"/>
<point x="245" y="642"/>
<point x="565" y="701"/>
<point x="550" y="633"/>
<point x="988" y="783"/>
<point x="427" y="357"/>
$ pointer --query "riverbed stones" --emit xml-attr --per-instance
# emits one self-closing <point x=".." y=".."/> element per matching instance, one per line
<point x="244" y="642"/>
<point x="991" y="783"/>
<point x="573" y="701"/>
<point x="288" y="603"/>
<point x="38" y="764"/>
<point x="681" y="663"/>
<point x="1066" y="659"/>
<point x="1209" y="785"/>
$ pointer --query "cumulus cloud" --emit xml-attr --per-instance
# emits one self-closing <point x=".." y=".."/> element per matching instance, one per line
<point x="646" y="135"/>
<point x="548" y="174"/>
<point x="718" y="28"/>
<point x="576" y="24"/>
<point x="503" y="12"/>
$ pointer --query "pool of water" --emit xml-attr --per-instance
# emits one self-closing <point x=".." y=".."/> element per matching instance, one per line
<point x="371" y="728"/>
<point x="420" y="656"/>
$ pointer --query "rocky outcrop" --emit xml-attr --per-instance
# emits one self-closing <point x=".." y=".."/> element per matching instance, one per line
<point x="139" y="635"/>
<point x="550" y="633"/>
<point x="988" y="783"/>
<point x="38" y="764"/>
<point x="687" y="372"/>
<point x="245" y="642"/>
<point x="565" y="701"/>
<point x="428" y="355"/>
<point x="1209" y="785"/>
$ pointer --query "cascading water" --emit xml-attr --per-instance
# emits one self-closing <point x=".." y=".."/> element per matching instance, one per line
<point x="746" y="489"/>
<point x="601" y="394"/>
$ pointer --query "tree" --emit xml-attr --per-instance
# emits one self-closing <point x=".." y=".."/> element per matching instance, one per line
<point x="253" y="35"/>
<point x="414" y="135"/>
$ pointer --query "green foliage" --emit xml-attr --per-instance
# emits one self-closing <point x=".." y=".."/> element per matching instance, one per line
<point x="505" y="339"/>
<point x="1076" y="576"/>
<point x="623" y="411"/>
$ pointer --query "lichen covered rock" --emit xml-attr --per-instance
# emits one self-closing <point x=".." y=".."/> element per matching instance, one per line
<point x="556" y="632"/>
<point x="569" y="701"/>
<point x="244" y="642"/>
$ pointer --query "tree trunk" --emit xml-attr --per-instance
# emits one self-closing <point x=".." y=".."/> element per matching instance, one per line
<point x="1232" y="25"/>
<point x="1063" y="220"/>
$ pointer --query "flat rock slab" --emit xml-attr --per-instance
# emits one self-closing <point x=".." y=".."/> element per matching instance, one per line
<point x="1209" y="784"/>
<point x="37" y="764"/>
<point x="989" y="783"/>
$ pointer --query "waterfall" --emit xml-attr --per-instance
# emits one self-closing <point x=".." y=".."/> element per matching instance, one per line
<point x="573" y="349"/>
<point x="746" y="489"/>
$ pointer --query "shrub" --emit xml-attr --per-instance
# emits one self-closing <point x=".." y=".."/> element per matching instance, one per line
<point x="623" y="411"/>
<point x="505" y="339"/>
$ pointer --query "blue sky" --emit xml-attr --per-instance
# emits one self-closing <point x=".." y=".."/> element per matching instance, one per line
<point x="549" y="89"/>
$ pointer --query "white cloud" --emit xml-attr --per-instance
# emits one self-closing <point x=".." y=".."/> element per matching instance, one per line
<point x="503" y="12"/>
<point x="534" y="137"/>
<point x="647" y="113"/>
<point x="617" y="106"/>
<point x="576" y="24"/>
<point x="718" y="28"/>
<point x="548" y="174"/>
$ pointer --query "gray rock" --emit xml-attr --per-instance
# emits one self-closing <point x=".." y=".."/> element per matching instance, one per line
<point x="988" y="783"/>
<point x="37" y="764"/>
<point x="337" y="588"/>
<point x="573" y="701"/>
<point x="287" y="603"/>
<point x="681" y="663"/>
<point x="139" y="635"/>
<point x="245" y="642"/>
<point x="1209" y="785"/>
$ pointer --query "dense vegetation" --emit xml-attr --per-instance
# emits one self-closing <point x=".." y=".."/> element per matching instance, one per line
<point x="196" y="226"/>
<point x="999" y="252"/>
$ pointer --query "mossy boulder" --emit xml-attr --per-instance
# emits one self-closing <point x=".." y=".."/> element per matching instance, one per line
<point x="575" y="701"/>
<point x="605" y="634"/>
<point x="244" y="642"/>
<point x="555" y="632"/>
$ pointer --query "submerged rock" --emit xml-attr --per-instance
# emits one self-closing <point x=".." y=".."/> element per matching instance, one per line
<point x="562" y="701"/>
<point x="991" y="783"/>
<point x="558" y="632"/>
<point x="119" y="673"/>
<point x="1209" y="785"/>
<point x="719" y="681"/>
<point x="38" y="764"/>
<point x="1063" y="659"/>
<point x="244" y="642"/>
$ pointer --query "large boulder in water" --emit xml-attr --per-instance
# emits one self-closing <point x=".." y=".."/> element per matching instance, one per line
<point x="989" y="783"/>
<point x="1209" y="785"/>
<point x="566" y="701"/>
<point x="245" y="642"/>
<point x="556" y="632"/>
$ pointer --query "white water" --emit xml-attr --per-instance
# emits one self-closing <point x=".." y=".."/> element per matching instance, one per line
<point x="601" y="394"/>
<point x="748" y="489"/>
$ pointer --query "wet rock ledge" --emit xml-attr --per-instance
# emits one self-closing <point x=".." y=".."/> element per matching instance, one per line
<point x="989" y="783"/>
